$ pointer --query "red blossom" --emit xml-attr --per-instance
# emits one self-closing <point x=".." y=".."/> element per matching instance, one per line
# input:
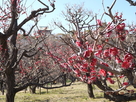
<point x="98" y="53"/>
<point x="85" y="65"/>
<point x="118" y="17"/>
<point x="77" y="71"/>
<point x="108" y="33"/>
<point x="118" y="60"/>
<point x="78" y="43"/>
<point x="121" y="76"/>
<point x="92" y="68"/>
<point x="91" y="79"/>
<point x="106" y="53"/>
<point x="110" y="73"/>
<point x="120" y="27"/>
<point x="78" y="75"/>
<point x="73" y="57"/>
<point x="109" y="30"/>
<point x="30" y="67"/>
<point x="110" y="80"/>
<point x="128" y="57"/>
<point x="113" y="51"/>
<point x="102" y="72"/>
<point x="64" y="65"/>
<point x="125" y="65"/>
<point x="99" y="47"/>
<point x="125" y="83"/>
<point x="99" y="22"/>
<point x="93" y="62"/>
<point x="84" y="70"/>
<point x="105" y="64"/>
<point x="93" y="73"/>
<point x="122" y="37"/>
<point x="87" y="53"/>
<point x="84" y="77"/>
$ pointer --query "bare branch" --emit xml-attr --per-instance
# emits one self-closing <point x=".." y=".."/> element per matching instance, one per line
<point x="131" y="2"/>
<point x="109" y="10"/>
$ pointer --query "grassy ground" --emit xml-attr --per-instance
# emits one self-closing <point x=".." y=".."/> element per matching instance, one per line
<point x="77" y="92"/>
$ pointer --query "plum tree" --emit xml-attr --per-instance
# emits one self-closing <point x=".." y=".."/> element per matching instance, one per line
<point x="11" y="54"/>
<point x="103" y="53"/>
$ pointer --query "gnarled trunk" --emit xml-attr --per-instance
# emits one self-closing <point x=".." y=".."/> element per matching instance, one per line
<point x="10" y="84"/>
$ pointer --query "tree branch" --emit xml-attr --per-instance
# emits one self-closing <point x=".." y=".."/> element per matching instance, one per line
<point x="131" y="2"/>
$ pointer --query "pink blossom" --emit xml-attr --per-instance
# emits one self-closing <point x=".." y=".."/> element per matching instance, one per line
<point x="87" y="53"/>
<point x="85" y="65"/>
<point x="99" y="22"/>
<point x="84" y="70"/>
<point x="77" y="71"/>
<point x="118" y="60"/>
<point x="91" y="79"/>
<point x="120" y="27"/>
<point x="125" y="83"/>
<point x="110" y="80"/>
<point x="98" y="53"/>
<point x="102" y="72"/>
<point x="110" y="73"/>
<point x="128" y="57"/>
<point x="113" y="51"/>
<point x="125" y="65"/>
<point x="78" y="43"/>
<point x="121" y="76"/>
<point x="106" y="53"/>
<point x="93" y="62"/>
<point x="105" y="64"/>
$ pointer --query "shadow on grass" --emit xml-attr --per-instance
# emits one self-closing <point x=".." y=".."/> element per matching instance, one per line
<point x="43" y="92"/>
<point x="48" y="100"/>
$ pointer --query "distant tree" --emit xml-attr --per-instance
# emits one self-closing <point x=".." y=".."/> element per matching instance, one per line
<point x="40" y="69"/>
<point x="11" y="54"/>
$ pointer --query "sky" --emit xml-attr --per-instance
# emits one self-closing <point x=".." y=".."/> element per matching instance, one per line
<point x="95" y="6"/>
<point x="121" y="6"/>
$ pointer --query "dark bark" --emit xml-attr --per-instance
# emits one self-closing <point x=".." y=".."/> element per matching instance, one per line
<point x="9" y="51"/>
<point x="33" y="89"/>
<point x="10" y="84"/>
<point x="115" y="96"/>
<point x="64" y="79"/>
<point x="90" y="91"/>
<point x="131" y="2"/>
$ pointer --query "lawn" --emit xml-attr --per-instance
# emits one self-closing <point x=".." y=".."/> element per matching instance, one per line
<point x="77" y="92"/>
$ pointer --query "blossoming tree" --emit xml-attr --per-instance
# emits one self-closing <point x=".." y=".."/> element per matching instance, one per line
<point x="103" y="53"/>
<point x="10" y="53"/>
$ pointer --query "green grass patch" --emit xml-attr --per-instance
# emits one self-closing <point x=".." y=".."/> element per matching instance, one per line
<point x="77" y="92"/>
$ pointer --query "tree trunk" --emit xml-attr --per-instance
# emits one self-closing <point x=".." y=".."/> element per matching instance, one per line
<point x="33" y="89"/>
<point x="64" y="79"/>
<point x="90" y="91"/>
<point x="10" y="84"/>
<point x="2" y="87"/>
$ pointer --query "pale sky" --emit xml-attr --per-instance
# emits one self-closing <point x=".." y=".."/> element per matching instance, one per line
<point x="95" y="6"/>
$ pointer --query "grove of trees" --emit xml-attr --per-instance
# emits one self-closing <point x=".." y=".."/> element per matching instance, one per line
<point x="96" y="52"/>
